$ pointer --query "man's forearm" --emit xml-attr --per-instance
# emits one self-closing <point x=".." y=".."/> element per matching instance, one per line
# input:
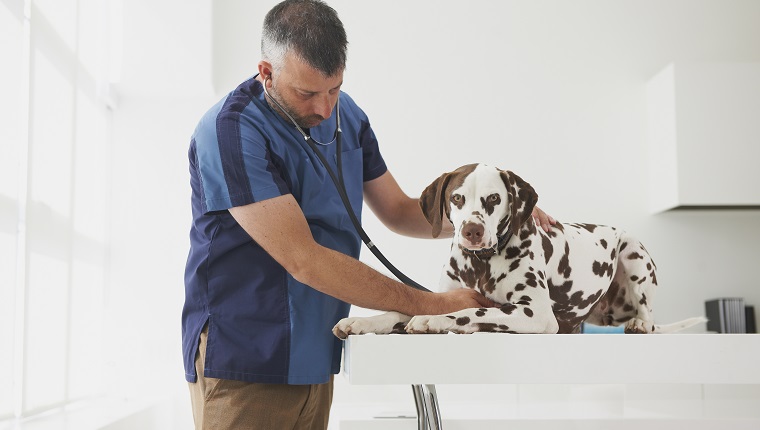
<point x="352" y="281"/>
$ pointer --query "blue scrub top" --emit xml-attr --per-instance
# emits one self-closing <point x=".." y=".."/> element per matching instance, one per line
<point x="263" y="325"/>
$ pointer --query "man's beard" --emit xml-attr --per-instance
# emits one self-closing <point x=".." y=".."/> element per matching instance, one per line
<point x="303" y="122"/>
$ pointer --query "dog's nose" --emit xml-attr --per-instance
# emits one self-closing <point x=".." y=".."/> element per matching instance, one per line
<point x="473" y="232"/>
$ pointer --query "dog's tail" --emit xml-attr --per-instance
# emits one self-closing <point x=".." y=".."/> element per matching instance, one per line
<point x="678" y="326"/>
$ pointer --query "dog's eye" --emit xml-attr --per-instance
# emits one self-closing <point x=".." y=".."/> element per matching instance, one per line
<point x="494" y="198"/>
<point x="456" y="198"/>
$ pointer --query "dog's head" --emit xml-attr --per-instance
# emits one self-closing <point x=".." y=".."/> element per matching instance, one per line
<point x="481" y="202"/>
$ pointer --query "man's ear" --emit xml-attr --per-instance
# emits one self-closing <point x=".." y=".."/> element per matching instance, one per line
<point x="265" y="69"/>
<point x="522" y="199"/>
<point x="434" y="203"/>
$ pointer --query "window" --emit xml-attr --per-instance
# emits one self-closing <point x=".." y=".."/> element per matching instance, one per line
<point x="53" y="201"/>
<point x="11" y="133"/>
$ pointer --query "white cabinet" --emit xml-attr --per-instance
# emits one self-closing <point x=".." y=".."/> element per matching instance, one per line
<point x="703" y="132"/>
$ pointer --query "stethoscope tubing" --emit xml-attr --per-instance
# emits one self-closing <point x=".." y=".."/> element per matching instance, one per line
<point x="340" y="186"/>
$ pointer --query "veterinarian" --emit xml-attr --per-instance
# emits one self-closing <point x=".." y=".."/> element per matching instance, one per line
<point x="273" y="261"/>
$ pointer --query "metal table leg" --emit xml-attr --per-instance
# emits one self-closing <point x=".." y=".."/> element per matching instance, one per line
<point x="428" y="411"/>
<point x="419" y="402"/>
<point x="433" y="411"/>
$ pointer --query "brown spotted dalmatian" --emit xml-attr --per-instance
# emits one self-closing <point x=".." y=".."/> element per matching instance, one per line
<point x="544" y="282"/>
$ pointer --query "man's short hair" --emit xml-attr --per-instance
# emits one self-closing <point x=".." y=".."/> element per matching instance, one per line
<point x="310" y="29"/>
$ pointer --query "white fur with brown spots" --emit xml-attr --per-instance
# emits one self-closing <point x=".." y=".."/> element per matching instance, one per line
<point x="545" y="282"/>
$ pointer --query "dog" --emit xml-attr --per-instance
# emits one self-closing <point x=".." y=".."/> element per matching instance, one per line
<point x="544" y="282"/>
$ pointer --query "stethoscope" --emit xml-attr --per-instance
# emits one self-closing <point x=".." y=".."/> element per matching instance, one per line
<point x="340" y="184"/>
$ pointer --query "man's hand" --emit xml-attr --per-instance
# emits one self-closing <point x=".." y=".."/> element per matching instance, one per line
<point x="460" y="298"/>
<point x="542" y="219"/>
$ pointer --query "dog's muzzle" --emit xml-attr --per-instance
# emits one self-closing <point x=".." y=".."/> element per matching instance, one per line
<point x="472" y="235"/>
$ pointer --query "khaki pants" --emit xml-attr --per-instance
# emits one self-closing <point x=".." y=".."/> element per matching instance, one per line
<point x="221" y="404"/>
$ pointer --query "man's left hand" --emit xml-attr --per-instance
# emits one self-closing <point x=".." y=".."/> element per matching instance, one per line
<point x="541" y="218"/>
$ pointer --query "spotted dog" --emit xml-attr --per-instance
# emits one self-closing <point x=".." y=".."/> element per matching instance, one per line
<point x="544" y="282"/>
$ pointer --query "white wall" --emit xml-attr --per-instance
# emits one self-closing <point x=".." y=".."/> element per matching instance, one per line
<point x="552" y="90"/>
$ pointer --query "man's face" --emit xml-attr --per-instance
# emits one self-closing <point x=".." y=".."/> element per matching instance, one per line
<point x="307" y="95"/>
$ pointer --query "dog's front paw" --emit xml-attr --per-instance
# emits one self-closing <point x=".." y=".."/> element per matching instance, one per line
<point x="348" y="326"/>
<point x="429" y="324"/>
<point x="637" y="326"/>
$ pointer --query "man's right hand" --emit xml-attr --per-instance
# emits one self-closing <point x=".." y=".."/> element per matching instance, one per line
<point x="461" y="298"/>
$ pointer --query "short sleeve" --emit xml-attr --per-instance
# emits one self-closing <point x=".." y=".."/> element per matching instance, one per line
<point x="234" y="161"/>
<point x="374" y="165"/>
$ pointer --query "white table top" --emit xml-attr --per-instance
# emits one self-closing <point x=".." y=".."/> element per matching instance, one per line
<point x="495" y="358"/>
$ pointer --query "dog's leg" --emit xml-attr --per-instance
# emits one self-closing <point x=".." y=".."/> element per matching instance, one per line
<point x="448" y="281"/>
<point x="509" y="318"/>
<point x="637" y="279"/>
<point x="389" y="322"/>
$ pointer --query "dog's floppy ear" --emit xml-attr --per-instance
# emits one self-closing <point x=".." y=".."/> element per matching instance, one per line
<point x="433" y="202"/>
<point x="522" y="199"/>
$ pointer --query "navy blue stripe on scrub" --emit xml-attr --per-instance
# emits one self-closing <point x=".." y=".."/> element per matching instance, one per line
<point x="231" y="148"/>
